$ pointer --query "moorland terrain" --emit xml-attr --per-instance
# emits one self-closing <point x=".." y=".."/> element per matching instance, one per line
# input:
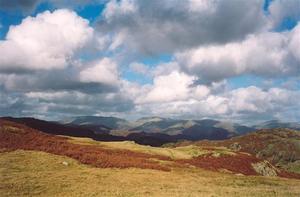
<point x="37" y="162"/>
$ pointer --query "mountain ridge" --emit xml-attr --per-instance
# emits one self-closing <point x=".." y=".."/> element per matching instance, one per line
<point x="154" y="131"/>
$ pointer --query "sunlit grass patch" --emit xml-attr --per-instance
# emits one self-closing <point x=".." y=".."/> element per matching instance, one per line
<point x="32" y="173"/>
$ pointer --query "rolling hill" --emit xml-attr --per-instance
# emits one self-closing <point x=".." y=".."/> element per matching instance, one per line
<point x="38" y="163"/>
<point x="91" y="131"/>
<point x="154" y="131"/>
<point x="280" y="147"/>
<point x="96" y="132"/>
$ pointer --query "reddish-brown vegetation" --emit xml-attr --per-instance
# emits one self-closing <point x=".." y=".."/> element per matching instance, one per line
<point x="239" y="163"/>
<point x="258" y="143"/>
<point x="16" y="136"/>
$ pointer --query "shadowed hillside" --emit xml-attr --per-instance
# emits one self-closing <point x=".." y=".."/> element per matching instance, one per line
<point x="16" y="136"/>
<point x="96" y="132"/>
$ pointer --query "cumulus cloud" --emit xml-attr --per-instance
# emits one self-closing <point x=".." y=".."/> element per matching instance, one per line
<point x="294" y="44"/>
<point x="47" y="41"/>
<point x="98" y="76"/>
<point x="53" y="81"/>
<point x="57" y="64"/>
<point x="104" y="71"/>
<point x="152" y="27"/>
<point x="268" y="54"/>
<point x="54" y="104"/>
<point x="49" y="44"/>
<point x="11" y="104"/>
<point x="249" y="102"/>
<point x="63" y="101"/>
<point x="174" y="86"/>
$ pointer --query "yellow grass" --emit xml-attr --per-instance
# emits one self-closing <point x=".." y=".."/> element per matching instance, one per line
<point x="30" y="173"/>
<point x="183" y="152"/>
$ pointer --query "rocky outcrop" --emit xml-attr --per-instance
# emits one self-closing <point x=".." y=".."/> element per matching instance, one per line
<point x="265" y="168"/>
<point x="235" y="146"/>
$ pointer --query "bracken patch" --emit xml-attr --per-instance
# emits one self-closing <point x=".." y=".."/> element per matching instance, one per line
<point x="240" y="163"/>
<point x="30" y="139"/>
<point x="14" y="136"/>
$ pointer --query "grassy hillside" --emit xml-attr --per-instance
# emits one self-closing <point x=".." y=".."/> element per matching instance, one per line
<point x="279" y="146"/>
<point x="33" y="163"/>
<point x="32" y="173"/>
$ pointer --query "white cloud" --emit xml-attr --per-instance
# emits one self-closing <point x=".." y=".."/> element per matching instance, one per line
<point x="199" y="92"/>
<point x="101" y="71"/>
<point x="209" y="41"/>
<point x="267" y="54"/>
<point x="68" y="102"/>
<point x="167" y="88"/>
<point x="254" y="100"/>
<point x="153" y="27"/>
<point x="175" y="86"/>
<point x="165" y="68"/>
<point x="202" y="5"/>
<point x="249" y="102"/>
<point x="47" y="41"/>
<point x="115" y="7"/>
<point x="294" y="44"/>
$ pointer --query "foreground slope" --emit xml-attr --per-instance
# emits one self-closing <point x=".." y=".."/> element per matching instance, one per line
<point x="36" y="163"/>
<point x="45" y="175"/>
<point x="16" y="136"/>
<point x="281" y="147"/>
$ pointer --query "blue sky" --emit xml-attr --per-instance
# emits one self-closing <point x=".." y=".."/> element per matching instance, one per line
<point x="140" y="58"/>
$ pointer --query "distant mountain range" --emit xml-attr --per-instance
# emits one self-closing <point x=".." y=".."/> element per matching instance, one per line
<point x="153" y="131"/>
<point x="198" y="129"/>
<point x="273" y="124"/>
<point x="110" y="122"/>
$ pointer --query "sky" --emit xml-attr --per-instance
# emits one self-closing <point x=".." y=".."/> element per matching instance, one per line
<point x="235" y="60"/>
